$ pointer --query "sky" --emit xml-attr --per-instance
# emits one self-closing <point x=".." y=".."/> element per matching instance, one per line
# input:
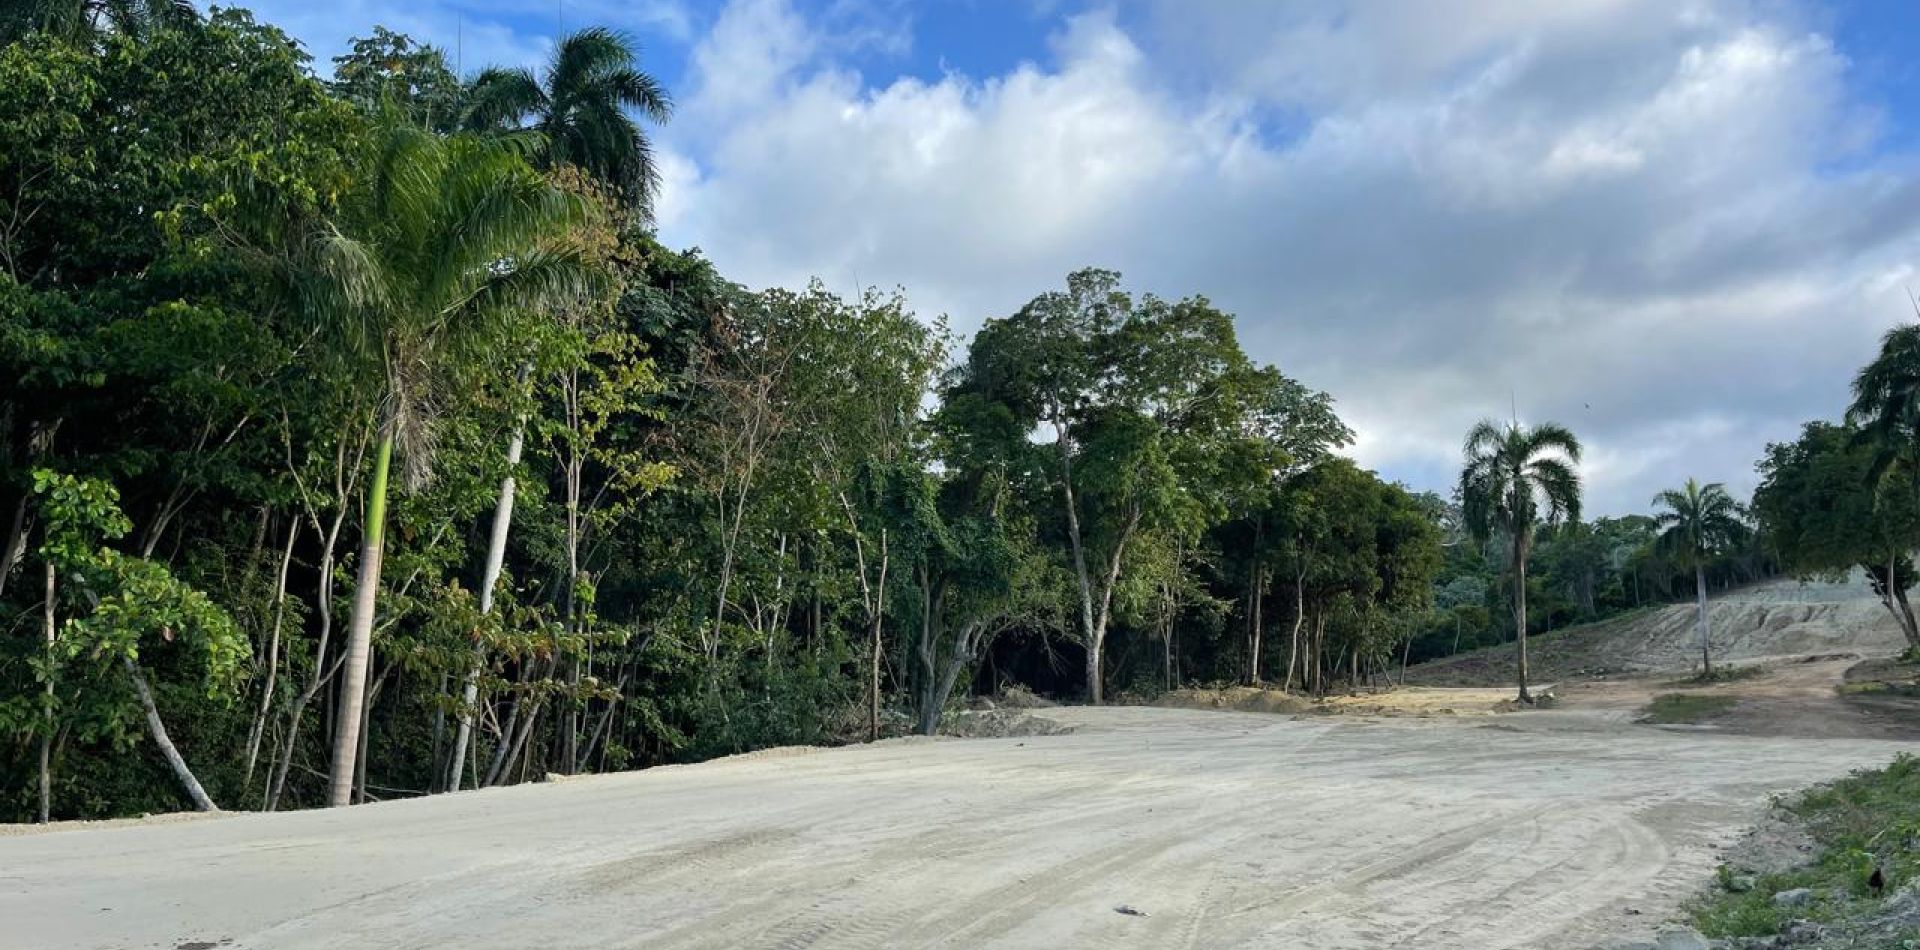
<point x="1676" y="226"/>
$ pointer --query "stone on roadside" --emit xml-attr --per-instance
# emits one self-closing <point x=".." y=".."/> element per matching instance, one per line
<point x="1798" y="897"/>
<point x="1682" y="938"/>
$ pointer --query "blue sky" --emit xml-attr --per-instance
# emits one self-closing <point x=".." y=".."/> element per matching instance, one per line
<point x="1677" y="226"/>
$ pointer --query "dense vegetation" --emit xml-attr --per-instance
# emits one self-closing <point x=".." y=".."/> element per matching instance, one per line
<point x="359" y="439"/>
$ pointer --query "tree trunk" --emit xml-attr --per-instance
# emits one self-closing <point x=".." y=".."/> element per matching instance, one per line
<point x="1706" y="640"/>
<point x="489" y="579"/>
<point x="1908" y="625"/>
<point x="273" y="658"/>
<point x="14" y="546"/>
<point x="1253" y="659"/>
<point x="1081" y="578"/>
<point x="158" y="730"/>
<point x="46" y="708"/>
<point x="359" y="646"/>
<point x="1166" y="653"/>
<point x="1299" y="616"/>
<point x="873" y="644"/>
<point x="1520" y="610"/>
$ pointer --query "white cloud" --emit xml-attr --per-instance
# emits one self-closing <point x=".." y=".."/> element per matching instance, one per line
<point x="1659" y="222"/>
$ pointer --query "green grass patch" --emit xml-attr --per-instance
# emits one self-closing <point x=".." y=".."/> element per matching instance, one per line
<point x="1869" y="820"/>
<point x="1682" y="708"/>
<point x="1721" y="674"/>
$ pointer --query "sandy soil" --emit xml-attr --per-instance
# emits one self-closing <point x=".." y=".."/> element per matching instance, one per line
<point x="1224" y="828"/>
<point x="1554" y="828"/>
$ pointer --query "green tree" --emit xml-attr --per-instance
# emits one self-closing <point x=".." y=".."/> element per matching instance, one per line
<point x="120" y="605"/>
<point x="391" y="70"/>
<point x="1699" y="522"/>
<point x="1825" y="511"/>
<point x="1139" y="398"/>
<point x="1516" y="478"/>
<point x="580" y="105"/>
<point x="80" y="21"/>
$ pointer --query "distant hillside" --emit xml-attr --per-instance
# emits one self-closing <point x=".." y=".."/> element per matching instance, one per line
<point x="1775" y="619"/>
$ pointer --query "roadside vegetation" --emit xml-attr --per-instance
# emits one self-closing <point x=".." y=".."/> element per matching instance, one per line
<point x="1857" y="888"/>
<point x="360" y="439"/>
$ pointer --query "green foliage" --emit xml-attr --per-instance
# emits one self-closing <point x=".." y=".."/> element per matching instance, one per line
<point x="389" y="70"/>
<point x="1823" y="510"/>
<point x="582" y="106"/>
<point x="1699" y="522"/>
<point x="1868" y="821"/>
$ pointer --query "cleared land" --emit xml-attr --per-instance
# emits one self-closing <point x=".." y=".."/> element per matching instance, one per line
<point x="1553" y="828"/>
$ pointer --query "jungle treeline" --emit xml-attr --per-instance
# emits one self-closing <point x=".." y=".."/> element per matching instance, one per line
<point x="360" y="439"/>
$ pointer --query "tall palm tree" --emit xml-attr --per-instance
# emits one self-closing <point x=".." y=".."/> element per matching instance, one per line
<point x="1514" y="479"/>
<point x="438" y="246"/>
<point x="581" y="105"/>
<point x="1699" y="522"/>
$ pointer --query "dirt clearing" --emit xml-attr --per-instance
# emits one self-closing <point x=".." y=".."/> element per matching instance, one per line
<point x="1222" y="829"/>
<point x="1416" y="819"/>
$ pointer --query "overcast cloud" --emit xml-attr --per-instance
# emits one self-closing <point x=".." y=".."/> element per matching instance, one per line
<point x="1664" y="223"/>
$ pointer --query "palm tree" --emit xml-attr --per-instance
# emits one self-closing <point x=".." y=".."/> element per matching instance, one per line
<point x="440" y="243"/>
<point x="1699" y="522"/>
<point x="1515" y="478"/>
<point x="77" y="20"/>
<point x="1886" y="400"/>
<point x="580" y="105"/>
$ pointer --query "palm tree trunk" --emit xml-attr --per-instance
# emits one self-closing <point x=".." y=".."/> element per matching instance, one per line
<point x="489" y="579"/>
<point x="1700" y="596"/>
<point x="46" y="709"/>
<point x="1520" y="610"/>
<point x="359" y="646"/>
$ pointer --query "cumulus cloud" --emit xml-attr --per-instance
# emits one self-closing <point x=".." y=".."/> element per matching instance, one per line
<point x="1662" y="223"/>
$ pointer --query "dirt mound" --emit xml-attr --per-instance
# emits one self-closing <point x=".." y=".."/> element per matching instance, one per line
<point x="1241" y="698"/>
<point x="1408" y="701"/>
<point x="1773" y="620"/>
<point x="1020" y="697"/>
<point x="1000" y="724"/>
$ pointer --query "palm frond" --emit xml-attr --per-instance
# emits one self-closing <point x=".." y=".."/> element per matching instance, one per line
<point x="501" y="99"/>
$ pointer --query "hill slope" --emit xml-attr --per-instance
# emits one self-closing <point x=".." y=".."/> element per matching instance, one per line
<point x="1776" y="619"/>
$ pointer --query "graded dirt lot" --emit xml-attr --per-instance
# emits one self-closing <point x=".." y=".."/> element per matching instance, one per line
<point x="1225" y="829"/>
<point x="1144" y="827"/>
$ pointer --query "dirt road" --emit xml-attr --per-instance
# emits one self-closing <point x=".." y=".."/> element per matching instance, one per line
<point x="1221" y="829"/>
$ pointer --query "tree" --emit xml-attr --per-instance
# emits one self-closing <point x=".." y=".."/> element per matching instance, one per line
<point x="390" y="70"/>
<point x="1515" y="478"/>
<point x="437" y="248"/>
<point x="1700" y="521"/>
<point x="579" y="105"/>
<point x="118" y="603"/>
<point x="80" y="21"/>
<point x="1136" y="396"/>
<point x="1824" y="511"/>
